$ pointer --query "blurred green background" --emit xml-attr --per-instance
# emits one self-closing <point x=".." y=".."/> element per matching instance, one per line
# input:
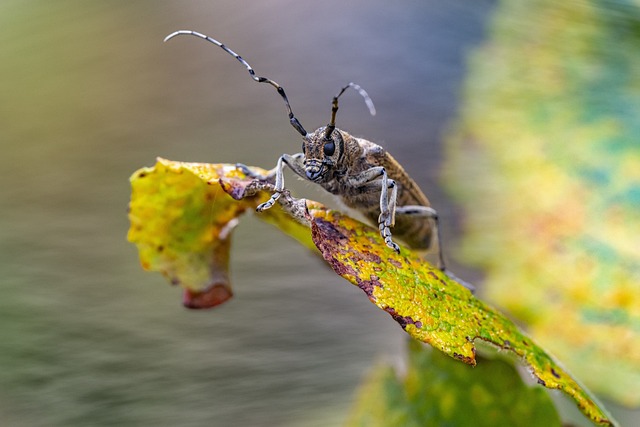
<point x="89" y="93"/>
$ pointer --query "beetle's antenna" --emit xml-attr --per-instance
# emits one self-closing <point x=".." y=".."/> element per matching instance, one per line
<point x="292" y="119"/>
<point x="334" y="106"/>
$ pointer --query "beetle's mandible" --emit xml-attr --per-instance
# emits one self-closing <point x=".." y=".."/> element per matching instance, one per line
<point x="362" y="174"/>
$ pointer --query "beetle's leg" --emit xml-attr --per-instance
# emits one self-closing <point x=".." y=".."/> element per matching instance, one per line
<point x="419" y="211"/>
<point x="430" y="213"/>
<point x="269" y="176"/>
<point x="296" y="165"/>
<point x="386" y="219"/>
<point x="390" y="211"/>
<point x="294" y="162"/>
<point x="365" y="177"/>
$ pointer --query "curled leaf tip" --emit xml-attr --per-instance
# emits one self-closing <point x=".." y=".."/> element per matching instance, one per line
<point x="209" y="298"/>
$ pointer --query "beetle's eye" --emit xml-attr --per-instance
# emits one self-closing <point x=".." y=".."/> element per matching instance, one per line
<point x="329" y="148"/>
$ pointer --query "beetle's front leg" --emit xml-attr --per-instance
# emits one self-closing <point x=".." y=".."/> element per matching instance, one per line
<point x="269" y="176"/>
<point x="294" y="162"/>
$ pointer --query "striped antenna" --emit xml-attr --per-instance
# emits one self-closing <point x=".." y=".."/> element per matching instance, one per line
<point x="334" y="106"/>
<point x="292" y="119"/>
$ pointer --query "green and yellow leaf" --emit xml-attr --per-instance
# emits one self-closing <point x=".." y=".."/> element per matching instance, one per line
<point x="437" y="391"/>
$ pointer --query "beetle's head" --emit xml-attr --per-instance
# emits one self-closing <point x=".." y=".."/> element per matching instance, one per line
<point x="321" y="153"/>
<point x="324" y="149"/>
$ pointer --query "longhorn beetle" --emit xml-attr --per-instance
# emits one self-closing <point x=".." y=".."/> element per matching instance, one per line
<point x="362" y="174"/>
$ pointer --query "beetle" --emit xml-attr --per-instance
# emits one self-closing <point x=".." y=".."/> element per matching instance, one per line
<point x="363" y="175"/>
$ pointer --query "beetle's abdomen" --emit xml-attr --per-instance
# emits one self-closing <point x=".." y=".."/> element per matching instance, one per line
<point x="415" y="232"/>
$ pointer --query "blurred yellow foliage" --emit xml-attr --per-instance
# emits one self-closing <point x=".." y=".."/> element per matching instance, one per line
<point x="546" y="162"/>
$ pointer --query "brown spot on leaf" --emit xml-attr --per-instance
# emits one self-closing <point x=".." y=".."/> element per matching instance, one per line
<point x="326" y="232"/>
<point x="340" y="268"/>
<point x="368" y="285"/>
<point x="395" y="263"/>
<point x="403" y="320"/>
<point x="434" y="276"/>
<point x="346" y="270"/>
<point x="365" y="256"/>
<point x="466" y="359"/>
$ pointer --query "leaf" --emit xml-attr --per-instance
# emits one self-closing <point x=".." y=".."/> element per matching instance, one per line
<point x="435" y="390"/>
<point x="430" y="306"/>
<point x="546" y="163"/>
<point x="182" y="221"/>
<point x="179" y="211"/>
